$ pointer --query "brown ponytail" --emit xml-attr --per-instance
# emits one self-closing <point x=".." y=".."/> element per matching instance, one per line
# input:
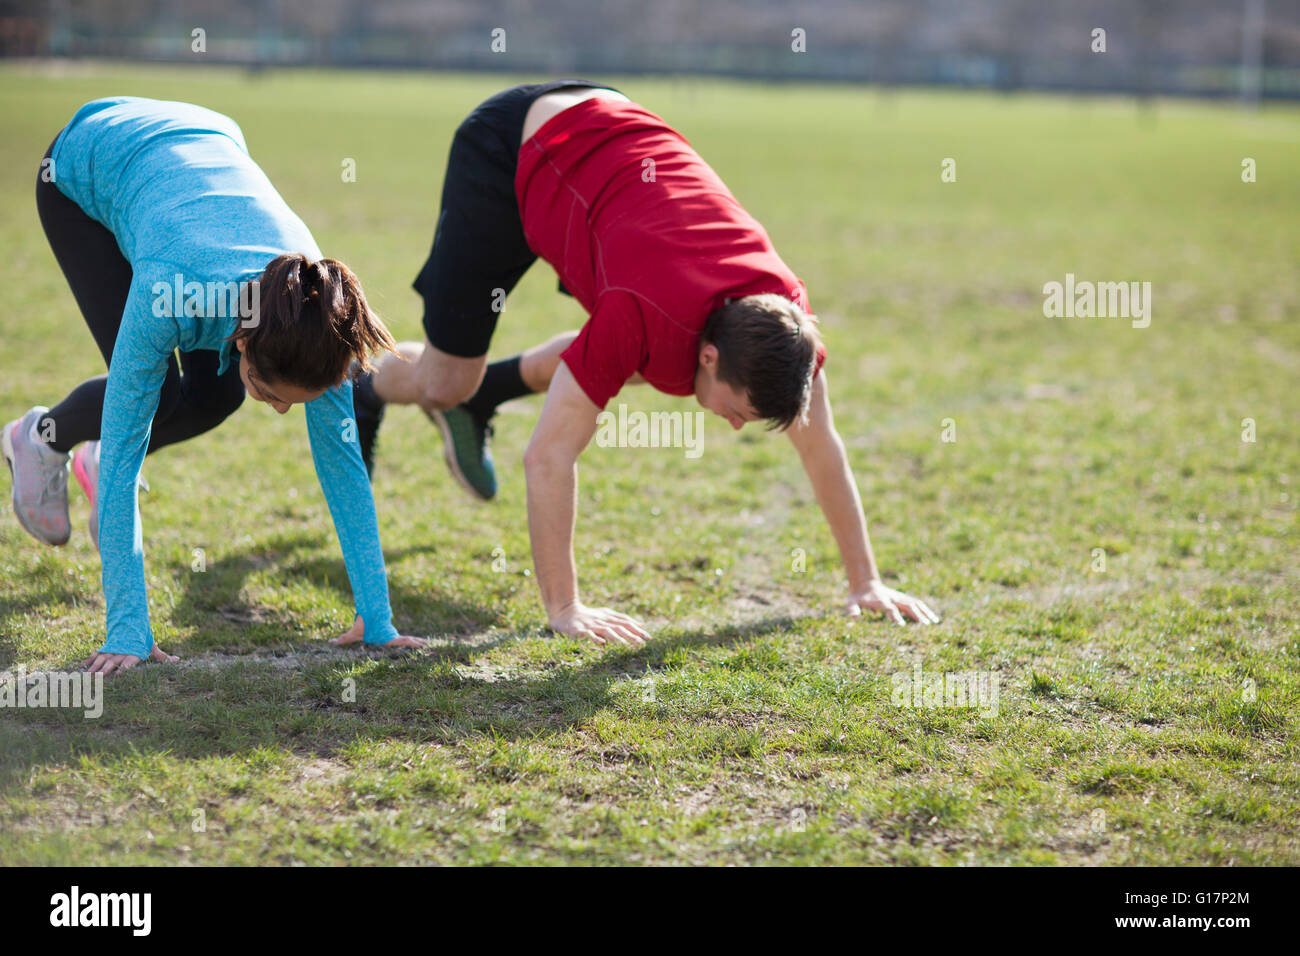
<point x="314" y="321"/>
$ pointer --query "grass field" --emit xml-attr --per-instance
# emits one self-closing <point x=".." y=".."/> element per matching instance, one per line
<point x="1147" y="713"/>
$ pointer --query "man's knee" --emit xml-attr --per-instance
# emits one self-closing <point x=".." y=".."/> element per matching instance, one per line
<point x="447" y="380"/>
<point x="442" y="394"/>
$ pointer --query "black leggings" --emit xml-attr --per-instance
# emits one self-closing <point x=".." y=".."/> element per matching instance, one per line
<point x="193" y="399"/>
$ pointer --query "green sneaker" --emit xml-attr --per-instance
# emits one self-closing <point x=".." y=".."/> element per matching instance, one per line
<point x="465" y="448"/>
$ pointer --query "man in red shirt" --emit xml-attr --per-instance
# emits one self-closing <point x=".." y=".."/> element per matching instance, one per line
<point x="684" y="292"/>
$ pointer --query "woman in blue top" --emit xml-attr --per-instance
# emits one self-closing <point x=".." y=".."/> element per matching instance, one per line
<point x="173" y="240"/>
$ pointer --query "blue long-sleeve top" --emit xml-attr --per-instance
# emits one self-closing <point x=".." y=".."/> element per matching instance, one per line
<point x="175" y="185"/>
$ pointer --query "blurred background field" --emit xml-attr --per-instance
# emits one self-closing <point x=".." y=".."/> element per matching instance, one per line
<point x="1160" y="692"/>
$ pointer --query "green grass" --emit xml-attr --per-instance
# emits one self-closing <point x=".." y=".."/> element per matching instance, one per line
<point x="758" y="727"/>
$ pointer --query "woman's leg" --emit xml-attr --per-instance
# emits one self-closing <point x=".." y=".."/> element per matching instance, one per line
<point x="100" y="279"/>
<point x="205" y="399"/>
<point x="36" y="445"/>
<point x="193" y="398"/>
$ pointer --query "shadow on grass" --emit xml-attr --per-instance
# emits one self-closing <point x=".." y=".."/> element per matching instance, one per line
<point x="425" y="697"/>
<point x="220" y="591"/>
<point x="215" y="602"/>
<point x="45" y="586"/>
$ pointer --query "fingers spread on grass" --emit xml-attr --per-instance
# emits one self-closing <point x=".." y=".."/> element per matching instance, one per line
<point x="612" y="632"/>
<point x="107" y="664"/>
<point x="627" y="619"/>
<point x="891" y="611"/>
<point x="627" y="635"/>
<point x="407" y="642"/>
<point x="921" y="611"/>
<point x="913" y="609"/>
<point x="630" y="624"/>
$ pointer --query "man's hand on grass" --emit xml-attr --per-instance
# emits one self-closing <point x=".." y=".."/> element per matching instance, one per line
<point x="101" y="663"/>
<point x="599" y="624"/>
<point x="357" y="633"/>
<point x="895" y="605"/>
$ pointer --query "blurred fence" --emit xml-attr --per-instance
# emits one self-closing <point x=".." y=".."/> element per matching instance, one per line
<point x="1191" y="47"/>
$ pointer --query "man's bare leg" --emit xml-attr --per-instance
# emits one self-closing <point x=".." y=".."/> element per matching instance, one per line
<point x="424" y="375"/>
<point x="537" y="365"/>
<point x="466" y="428"/>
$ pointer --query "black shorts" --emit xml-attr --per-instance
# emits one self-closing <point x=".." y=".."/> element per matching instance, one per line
<point x="479" y="251"/>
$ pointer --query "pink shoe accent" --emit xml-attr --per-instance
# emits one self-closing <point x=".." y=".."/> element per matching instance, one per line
<point x="83" y="477"/>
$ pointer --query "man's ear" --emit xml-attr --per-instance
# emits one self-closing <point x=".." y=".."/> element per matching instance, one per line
<point x="709" y="356"/>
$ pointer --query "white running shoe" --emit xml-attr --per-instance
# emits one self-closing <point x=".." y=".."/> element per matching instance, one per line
<point x="40" y="476"/>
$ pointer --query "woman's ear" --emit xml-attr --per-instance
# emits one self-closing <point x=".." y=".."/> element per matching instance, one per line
<point x="239" y="344"/>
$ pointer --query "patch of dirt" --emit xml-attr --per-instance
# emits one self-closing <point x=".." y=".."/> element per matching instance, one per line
<point x="280" y="661"/>
<point x="487" y="673"/>
<point x="322" y="770"/>
<point x="693" y="804"/>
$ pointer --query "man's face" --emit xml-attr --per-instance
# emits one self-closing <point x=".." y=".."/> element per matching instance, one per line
<point x="719" y="397"/>
<point x="280" y="396"/>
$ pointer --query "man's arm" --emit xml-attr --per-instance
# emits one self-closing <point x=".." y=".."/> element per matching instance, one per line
<point x="551" y="463"/>
<point x="822" y="452"/>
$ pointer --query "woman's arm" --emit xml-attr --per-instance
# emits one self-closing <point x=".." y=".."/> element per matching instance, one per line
<point x="135" y="377"/>
<point x="332" y="427"/>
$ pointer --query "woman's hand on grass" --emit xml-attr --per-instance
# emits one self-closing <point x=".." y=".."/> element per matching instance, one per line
<point x="357" y="633"/>
<point x="101" y="663"/>
<point x="895" y="605"/>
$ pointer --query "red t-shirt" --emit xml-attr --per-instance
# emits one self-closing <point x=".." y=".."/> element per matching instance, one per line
<point x="650" y="249"/>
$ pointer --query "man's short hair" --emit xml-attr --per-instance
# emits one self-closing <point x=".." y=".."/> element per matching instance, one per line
<point x="767" y="347"/>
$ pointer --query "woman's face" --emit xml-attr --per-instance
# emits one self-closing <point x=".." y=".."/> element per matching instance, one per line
<point x="280" y="396"/>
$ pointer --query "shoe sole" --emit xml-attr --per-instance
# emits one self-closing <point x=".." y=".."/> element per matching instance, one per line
<point x="8" y="446"/>
<point x="449" y="456"/>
